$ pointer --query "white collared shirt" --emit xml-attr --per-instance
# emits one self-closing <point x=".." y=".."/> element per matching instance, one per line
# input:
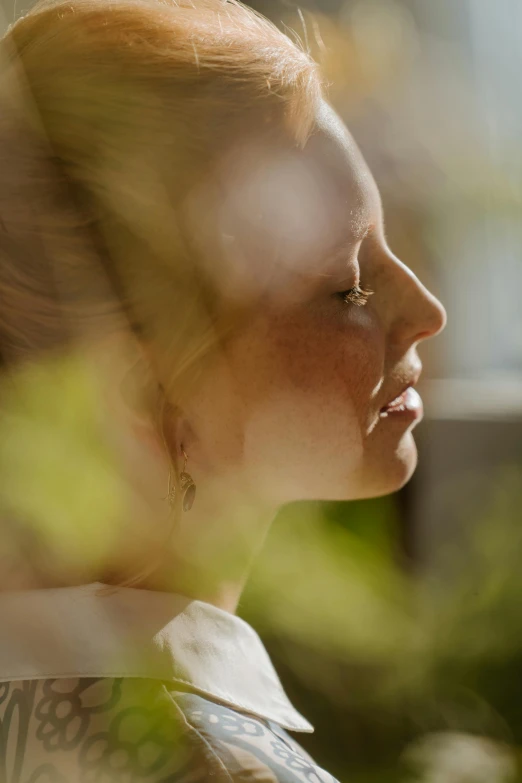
<point x="112" y="685"/>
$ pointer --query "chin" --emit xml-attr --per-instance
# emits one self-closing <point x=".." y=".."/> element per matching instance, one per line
<point x="389" y="470"/>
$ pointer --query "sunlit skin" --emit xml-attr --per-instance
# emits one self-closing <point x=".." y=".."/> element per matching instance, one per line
<point x="289" y="408"/>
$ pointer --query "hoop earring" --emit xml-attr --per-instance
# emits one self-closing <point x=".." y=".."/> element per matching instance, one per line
<point x="186" y="484"/>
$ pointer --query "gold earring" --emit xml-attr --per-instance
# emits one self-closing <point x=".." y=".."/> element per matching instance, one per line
<point x="187" y="485"/>
<point x="171" y="492"/>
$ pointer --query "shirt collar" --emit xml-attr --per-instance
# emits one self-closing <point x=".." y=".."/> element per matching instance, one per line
<point x="93" y="631"/>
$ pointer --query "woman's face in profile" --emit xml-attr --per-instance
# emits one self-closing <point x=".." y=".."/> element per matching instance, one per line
<point x="294" y="402"/>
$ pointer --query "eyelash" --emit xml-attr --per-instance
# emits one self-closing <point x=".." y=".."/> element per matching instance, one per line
<point x="356" y="295"/>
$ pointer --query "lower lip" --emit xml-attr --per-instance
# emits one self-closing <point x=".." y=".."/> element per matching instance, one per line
<point x="408" y="406"/>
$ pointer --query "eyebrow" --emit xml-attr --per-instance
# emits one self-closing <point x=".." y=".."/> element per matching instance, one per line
<point x="348" y="242"/>
<point x="359" y="224"/>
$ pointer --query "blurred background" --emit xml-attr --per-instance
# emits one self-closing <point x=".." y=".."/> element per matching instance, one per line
<point x="399" y="629"/>
<point x="412" y="602"/>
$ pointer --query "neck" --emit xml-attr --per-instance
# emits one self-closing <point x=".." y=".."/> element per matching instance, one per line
<point x="208" y="556"/>
<point x="212" y="549"/>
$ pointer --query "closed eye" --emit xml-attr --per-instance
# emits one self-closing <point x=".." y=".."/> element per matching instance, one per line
<point x="357" y="295"/>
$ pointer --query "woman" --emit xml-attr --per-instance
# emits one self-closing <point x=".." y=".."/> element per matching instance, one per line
<point x="183" y="210"/>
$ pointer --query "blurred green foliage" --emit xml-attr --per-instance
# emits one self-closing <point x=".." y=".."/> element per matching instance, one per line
<point x="334" y="611"/>
<point x="377" y="656"/>
<point x="61" y="492"/>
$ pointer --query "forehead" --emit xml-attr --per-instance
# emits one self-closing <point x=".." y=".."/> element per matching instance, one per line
<point x="280" y="211"/>
<point x="345" y="180"/>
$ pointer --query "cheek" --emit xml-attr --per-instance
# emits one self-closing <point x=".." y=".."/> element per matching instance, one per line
<point x="310" y="390"/>
<point x="335" y="361"/>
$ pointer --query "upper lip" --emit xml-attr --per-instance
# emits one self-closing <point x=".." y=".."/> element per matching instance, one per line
<point x="413" y="379"/>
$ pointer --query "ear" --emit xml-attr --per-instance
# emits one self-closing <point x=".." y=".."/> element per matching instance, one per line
<point x="142" y="397"/>
<point x="154" y="422"/>
<point x="137" y="384"/>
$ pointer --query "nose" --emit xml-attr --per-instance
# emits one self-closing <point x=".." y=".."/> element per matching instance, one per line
<point x="417" y="313"/>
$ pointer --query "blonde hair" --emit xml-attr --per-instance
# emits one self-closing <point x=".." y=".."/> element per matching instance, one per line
<point x="112" y="111"/>
<point x="121" y="108"/>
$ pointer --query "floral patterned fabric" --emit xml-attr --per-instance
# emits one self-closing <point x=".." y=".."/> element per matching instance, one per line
<point x="121" y="730"/>
<point x="105" y="685"/>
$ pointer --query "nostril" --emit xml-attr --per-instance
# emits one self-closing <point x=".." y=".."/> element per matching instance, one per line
<point x="432" y="323"/>
<point x="419" y="314"/>
<point x="433" y="319"/>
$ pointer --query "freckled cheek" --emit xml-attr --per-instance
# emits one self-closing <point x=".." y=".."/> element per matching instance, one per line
<point x="362" y="365"/>
<point x="335" y="365"/>
<point x="309" y="391"/>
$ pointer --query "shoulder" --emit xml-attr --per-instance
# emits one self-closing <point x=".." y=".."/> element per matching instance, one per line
<point x="91" y="729"/>
<point x="132" y="729"/>
<point x="248" y="748"/>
